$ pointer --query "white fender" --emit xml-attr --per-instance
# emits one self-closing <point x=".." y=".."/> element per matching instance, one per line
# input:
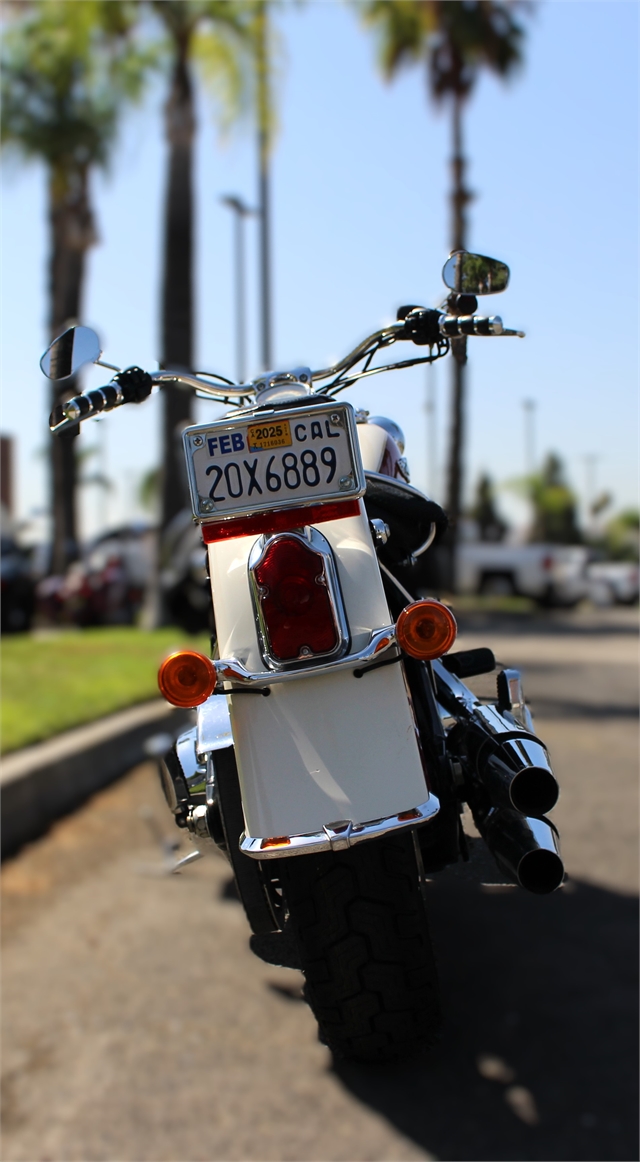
<point x="323" y="748"/>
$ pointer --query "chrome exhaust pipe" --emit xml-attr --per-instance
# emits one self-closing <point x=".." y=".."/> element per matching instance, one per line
<point x="520" y="777"/>
<point x="526" y="849"/>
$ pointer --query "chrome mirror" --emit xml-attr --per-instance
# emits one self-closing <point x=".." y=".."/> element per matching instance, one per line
<point x="69" y="352"/>
<point x="474" y="274"/>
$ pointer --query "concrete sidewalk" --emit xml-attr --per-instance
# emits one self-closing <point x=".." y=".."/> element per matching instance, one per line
<point x="42" y="782"/>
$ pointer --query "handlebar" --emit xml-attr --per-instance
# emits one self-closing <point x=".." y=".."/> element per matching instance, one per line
<point x="130" y="386"/>
<point x="422" y="326"/>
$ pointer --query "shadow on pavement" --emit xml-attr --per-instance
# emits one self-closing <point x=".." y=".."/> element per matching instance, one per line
<point x="538" y="1057"/>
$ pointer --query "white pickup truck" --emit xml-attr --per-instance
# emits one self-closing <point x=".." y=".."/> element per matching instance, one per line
<point x="613" y="582"/>
<point x="551" y="574"/>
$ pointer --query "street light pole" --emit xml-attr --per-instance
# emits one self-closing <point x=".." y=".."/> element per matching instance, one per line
<point x="241" y="211"/>
<point x="529" y="406"/>
<point x="264" y="116"/>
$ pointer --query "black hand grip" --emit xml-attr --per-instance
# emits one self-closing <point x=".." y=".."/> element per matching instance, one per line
<point x="422" y="326"/>
<point x="80" y="407"/>
<point x="134" y="383"/>
<point x="130" y="386"/>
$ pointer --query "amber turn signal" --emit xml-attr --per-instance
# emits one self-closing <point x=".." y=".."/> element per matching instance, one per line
<point x="187" y="678"/>
<point x="426" y="630"/>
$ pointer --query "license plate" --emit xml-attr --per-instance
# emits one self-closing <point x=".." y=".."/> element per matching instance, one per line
<point x="286" y="459"/>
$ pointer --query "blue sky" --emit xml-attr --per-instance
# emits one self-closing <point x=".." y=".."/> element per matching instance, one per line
<point x="361" y="225"/>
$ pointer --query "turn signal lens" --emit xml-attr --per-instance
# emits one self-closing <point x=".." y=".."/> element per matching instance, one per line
<point x="187" y="678"/>
<point x="426" y="630"/>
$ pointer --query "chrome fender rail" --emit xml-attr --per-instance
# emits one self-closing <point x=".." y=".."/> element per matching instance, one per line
<point x="337" y="836"/>
<point x="230" y="670"/>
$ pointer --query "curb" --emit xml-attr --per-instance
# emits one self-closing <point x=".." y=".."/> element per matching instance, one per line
<point x="43" y="782"/>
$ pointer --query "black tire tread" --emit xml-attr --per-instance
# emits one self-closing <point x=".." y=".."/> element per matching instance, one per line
<point x="361" y="927"/>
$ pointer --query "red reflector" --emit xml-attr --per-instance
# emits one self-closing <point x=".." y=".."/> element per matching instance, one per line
<point x="280" y="521"/>
<point x="405" y="816"/>
<point x="276" y="841"/>
<point x="294" y="600"/>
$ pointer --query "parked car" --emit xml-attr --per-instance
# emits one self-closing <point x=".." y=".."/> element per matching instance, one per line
<point x="551" y="574"/>
<point x="18" y="589"/>
<point x="107" y="585"/>
<point x="613" y="582"/>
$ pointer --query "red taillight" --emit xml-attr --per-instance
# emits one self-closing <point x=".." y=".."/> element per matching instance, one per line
<point x="294" y="600"/>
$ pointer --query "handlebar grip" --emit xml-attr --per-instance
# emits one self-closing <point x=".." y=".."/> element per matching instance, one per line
<point x="130" y="386"/>
<point x="80" y="407"/>
<point x="455" y="325"/>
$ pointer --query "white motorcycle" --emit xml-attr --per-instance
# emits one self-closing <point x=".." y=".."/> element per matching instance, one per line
<point x="336" y="740"/>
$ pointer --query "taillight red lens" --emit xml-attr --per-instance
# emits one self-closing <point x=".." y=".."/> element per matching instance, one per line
<point x="294" y="600"/>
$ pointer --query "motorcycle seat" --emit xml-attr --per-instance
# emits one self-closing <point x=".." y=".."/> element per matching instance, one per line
<point x="408" y="512"/>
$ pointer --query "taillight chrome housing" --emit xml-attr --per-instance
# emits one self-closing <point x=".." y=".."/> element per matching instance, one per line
<point x="296" y="593"/>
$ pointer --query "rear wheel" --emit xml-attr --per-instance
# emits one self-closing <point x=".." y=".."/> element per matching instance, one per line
<point x="361" y="928"/>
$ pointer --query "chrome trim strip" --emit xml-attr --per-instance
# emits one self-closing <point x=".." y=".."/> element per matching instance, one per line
<point x="312" y="539"/>
<point x="341" y="835"/>
<point x="231" y="670"/>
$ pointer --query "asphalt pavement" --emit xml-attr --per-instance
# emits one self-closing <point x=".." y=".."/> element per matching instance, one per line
<point x="137" y="1025"/>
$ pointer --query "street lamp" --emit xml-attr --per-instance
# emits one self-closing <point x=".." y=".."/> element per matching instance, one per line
<point x="529" y="406"/>
<point x="241" y="211"/>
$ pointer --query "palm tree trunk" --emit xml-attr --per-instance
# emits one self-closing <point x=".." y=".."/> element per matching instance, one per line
<point x="459" y="198"/>
<point x="177" y="288"/>
<point x="72" y="232"/>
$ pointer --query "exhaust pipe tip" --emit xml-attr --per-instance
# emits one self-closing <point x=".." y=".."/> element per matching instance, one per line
<point x="534" y="791"/>
<point x="531" y="788"/>
<point x="526" y="848"/>
<point x="540" y="872"/>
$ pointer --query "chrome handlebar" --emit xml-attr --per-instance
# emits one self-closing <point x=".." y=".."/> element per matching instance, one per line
<point x="85" y="406"/>
<point x="386" y="335"/>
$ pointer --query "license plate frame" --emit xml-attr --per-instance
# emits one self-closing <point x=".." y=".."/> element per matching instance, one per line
<point x="227" y="468"/>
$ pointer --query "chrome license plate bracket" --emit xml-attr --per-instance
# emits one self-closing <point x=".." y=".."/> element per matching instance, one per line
<point x="288" y="458"/>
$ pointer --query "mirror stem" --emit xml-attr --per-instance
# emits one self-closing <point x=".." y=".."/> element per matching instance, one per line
<point x="101" y="363"/>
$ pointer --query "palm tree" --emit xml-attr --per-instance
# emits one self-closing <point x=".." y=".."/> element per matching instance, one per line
<point x="554" y="505"/>
<point x="67" y="68"/>
<point x="456" y="40"/>
<point x="210" y="32"/>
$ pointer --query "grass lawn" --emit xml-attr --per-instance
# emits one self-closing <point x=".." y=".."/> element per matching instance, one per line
<point x="57" y="680"/>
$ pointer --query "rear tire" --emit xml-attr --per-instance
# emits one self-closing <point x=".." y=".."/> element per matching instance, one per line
<point x="361" y="928"/>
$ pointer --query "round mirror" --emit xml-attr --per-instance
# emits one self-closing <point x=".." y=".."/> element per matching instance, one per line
<point x="69" y="352"/>
<point x="474" y="274"/>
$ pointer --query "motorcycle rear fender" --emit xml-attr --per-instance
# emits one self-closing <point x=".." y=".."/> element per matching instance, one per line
<point x="322" y="748"/>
